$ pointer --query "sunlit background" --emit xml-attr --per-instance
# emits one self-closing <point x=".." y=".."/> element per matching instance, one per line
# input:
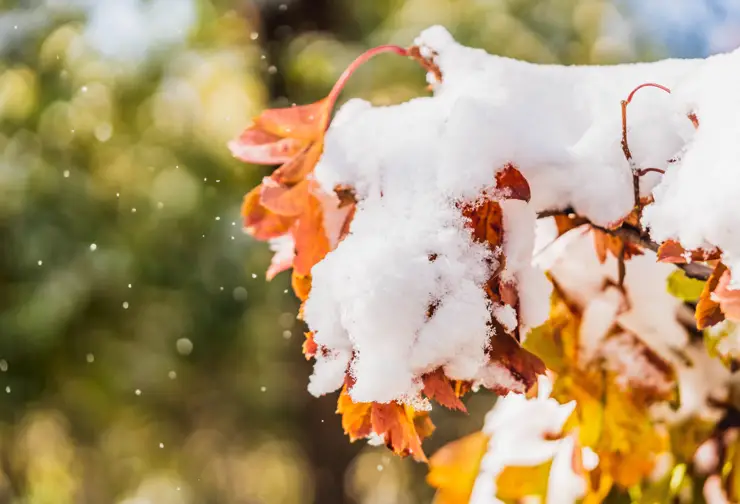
<point x="143" y="357"/>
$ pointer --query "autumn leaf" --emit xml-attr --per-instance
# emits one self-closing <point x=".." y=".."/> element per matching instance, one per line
<point x="301" y="285"/>
<point x="454" y="468"/>
<point x="309" y="346"/>
<point x="311" y="242"/>
<point x="280" y="199"/>
<point x="728" y="299"/>
<point x="513" y="184"/>
<point x="259" y="221"/>
<point x="260" y="147"/>
<point x="708" y="311"/>
<point x="670" y="251"/>
<point x="401" y="427"/>
<point x="523" y="366"/>
<point x="438" y="387"/>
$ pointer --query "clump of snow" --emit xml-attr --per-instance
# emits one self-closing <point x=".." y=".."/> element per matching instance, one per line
<point x="402" y="293"/>
<point x="526" y="432"/>
<point x="696" y="202"/>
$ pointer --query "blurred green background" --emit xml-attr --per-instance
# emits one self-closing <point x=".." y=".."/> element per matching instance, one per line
<point x="143" y="357"/>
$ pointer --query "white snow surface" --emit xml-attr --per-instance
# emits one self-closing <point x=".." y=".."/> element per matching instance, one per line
<point x="411" y="164"/>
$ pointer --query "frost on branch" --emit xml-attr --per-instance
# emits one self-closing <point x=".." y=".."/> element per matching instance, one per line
<point x="522" y="217"/>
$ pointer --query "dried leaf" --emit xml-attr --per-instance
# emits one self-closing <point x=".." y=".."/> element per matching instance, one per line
<point x="303" y="122"/>
<point x="605" y="242"/>
<point x="260" y="147"/>
<point x="438" y="387"/>
<point x="513" y="184"/>
<point x="454" y="468"/>
<point x="523" y="365"/>
<point x="708" y="311"/>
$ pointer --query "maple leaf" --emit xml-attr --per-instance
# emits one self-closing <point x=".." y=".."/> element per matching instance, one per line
<point x="309" y="346"/>
<point x="670" y="251"/>
<point x="311" y="241"/>
<point x="728" y="299"/>
<point x="605" y="242"/>
<point x="259" y="221"/>
<point x="438" y="387"/>
<point x="454" y="468"/>
<point x="708" y="311"/>
<point x="401" y="427"/>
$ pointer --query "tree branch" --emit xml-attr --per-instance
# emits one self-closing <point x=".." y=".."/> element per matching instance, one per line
<point x="632" y="234"/>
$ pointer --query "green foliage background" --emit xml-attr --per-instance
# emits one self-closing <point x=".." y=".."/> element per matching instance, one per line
<point x="144" y="357"/>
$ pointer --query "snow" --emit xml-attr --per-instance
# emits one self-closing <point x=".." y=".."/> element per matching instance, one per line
<point x="696" y="202"/>
<point x="403" y="294"/>
<point x="524" y="432"/>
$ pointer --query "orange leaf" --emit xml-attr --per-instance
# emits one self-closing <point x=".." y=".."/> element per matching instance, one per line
<point x="454" y="468"/>
<point x="728" y="299"/>
<point x="259" y="147"/>
<point x="309" y="346"/>
<point x="395" y="422"/>
<point x="300" y="166"/>
<point x="486" y="220"/>
<point x="355" y="416"/>
<point x="438" y="387"/>
<point x="400" y="426"/>
<point x="260" y="222"/>
<point x="671" y="251"/>
<point x="284" y="200"/>
<point x="311" y="242"/>
<point x="513" y="184"/>
<point x="301" y="285"/>
<point x="304" y="122"/>
<point x="708" y="311"/>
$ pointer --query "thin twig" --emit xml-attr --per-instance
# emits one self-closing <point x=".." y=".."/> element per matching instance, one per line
<point x="630" y="233"/>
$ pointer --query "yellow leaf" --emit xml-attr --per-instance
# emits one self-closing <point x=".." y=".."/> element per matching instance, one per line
<point x="454" y="467"/>
<point x="515" y="483"/>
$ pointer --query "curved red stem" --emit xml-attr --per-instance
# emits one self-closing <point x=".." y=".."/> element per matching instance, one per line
<point x="647" y="84"/>
<point x="357" y="63"/>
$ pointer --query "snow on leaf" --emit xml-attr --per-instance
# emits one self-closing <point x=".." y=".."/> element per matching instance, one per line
<point x="512" y="184"/>
<point x="671" y="251"/>
<point x="708" y="311"/>
<point x="454" y="468"/>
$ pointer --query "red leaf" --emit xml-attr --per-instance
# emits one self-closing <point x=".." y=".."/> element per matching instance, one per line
<point x="438" y="387"/>
<point x="304" y="122"/>
<point x="259" y="147"/>
<point x="513" y="183"/>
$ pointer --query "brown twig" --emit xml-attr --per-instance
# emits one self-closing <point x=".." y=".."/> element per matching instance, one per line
<point x="632" y="234"/>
